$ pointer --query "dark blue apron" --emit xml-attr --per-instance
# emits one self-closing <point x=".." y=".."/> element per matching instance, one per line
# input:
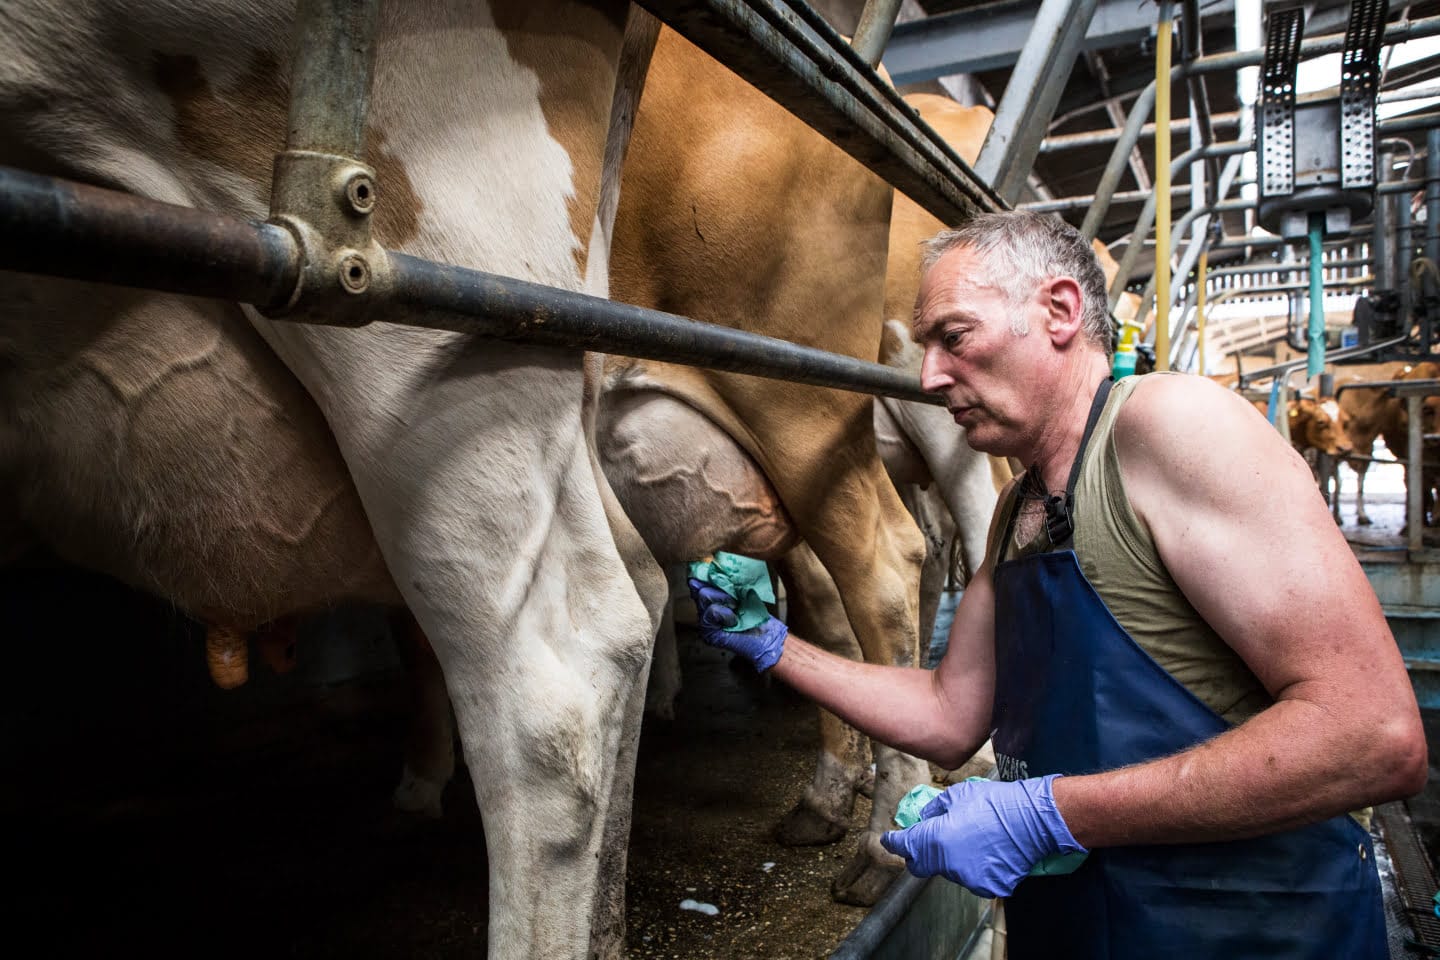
<point x="1074" y="695"/>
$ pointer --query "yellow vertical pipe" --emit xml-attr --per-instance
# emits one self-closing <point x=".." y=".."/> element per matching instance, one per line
<point x="1200" y="312"/>
<point x="1162" y="190"/>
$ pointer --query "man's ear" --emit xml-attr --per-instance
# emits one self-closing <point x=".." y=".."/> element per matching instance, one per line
<point x="1065" y="310"/>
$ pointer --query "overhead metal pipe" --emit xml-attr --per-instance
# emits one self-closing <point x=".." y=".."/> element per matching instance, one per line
<point x="1249" y="269"/>
<point x="1064" y="204"/>
<point x="64" y="229"/>
<point x="1397" y="32"/>
<point x="1116" y="165"/>
<point x="1099" y="138"/>
<point x="1023" y="115"/>
<point x="877" y="22"/>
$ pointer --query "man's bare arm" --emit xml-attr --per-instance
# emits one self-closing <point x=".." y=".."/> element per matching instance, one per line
<point x="1247" y="537"/>
<point x="942" y="715"/>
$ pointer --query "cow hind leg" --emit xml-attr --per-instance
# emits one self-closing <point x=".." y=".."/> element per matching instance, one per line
<point x="1361" y="517"/>
<point x="869" y="545"/>
<point x="815" y="612"/>
<point x="430" y="747"/>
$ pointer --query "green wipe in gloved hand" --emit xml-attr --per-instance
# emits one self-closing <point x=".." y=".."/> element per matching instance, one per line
<point x="907" y="811"/>
<point x="907" y="814"/>
<point x="747" y="580"/>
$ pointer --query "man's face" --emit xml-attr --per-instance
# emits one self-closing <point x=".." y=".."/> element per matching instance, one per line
<point x="985" y="372"/>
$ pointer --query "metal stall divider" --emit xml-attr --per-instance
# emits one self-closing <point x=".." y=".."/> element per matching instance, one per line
<point x="315" y="261"/>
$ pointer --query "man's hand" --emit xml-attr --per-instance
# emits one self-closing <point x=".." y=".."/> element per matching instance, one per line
<point x="761" y="645"/>
<point x="985" y="835"/>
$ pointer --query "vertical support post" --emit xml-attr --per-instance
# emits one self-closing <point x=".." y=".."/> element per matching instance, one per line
<point x="330" y="78"/>
<point x="1200" y="280"/>
<point x="877" y="22"/>
<point x="1028" y="105"/>
<point x="1432" y="195"/>
<point x="1382" y="259"/>
<point x="1414" y="477"/>
<point x="1162" y="187"/>
<point x="1119" y="160"/>
<point x="1315" y="334"/>
<point x="1404" y="253"/>
<point x="321" y="192"/>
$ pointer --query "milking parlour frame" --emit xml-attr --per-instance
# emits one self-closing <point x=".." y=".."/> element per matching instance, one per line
<point x="314" y="259"/>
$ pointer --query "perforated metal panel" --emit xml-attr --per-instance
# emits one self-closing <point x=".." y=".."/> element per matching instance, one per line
<point x="1359" y="80"/>
<point x="1277" y="107"/>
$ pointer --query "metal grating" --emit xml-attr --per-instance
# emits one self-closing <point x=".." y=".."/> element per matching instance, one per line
<point x="1359" y="81"/>
<point x="1277" y="108"/>
<point x="1413" y="876"/>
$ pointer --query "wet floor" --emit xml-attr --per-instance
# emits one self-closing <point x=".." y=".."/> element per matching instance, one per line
<point x="146" y="811"/>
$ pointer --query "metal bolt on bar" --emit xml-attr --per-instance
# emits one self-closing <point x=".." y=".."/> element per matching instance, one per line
<point x="135" y="242"/>
<point x="320" y="191"/>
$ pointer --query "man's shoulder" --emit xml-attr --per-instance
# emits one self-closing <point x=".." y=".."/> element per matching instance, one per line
<point x="1164" y="407"/>
<point x="1174" y="430"/>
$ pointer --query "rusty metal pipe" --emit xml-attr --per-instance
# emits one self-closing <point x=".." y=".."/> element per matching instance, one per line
<point x="331" y="75"/>
<point x="66" y="229"/>
<point x="877" y="22"/>
<point x="471" y="301"/>
<point x="87" y="233"/>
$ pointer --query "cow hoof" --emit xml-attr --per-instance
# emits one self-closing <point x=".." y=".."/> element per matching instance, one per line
<point x="1363" y="520"/>
<point x="803" y="827"/>
<point x="417" y="795"/>
<point x="863" y="881"/>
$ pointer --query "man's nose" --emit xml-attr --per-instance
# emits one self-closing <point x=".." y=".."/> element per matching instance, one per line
<point x="932" y="378"/>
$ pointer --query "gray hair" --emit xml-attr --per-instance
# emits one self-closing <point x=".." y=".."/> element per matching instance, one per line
<point x="1020" y="250"/>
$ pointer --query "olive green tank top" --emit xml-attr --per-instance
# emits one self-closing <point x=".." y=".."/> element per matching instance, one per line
<point x="1118" y="556"/>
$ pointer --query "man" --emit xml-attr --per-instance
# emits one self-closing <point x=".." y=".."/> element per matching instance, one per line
<point x="1183" y="668"/>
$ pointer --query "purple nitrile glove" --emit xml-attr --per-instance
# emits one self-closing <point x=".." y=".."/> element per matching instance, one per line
<point x="760" y="645"/>
<point x="985" y="835"/>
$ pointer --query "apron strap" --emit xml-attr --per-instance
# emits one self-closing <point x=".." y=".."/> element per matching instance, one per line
<point x="1059" y="524"/>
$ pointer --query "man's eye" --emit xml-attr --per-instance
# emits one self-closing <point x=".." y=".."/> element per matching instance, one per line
<point x="951" y="339"/>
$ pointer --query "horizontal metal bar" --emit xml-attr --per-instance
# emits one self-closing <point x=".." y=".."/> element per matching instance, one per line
<point x="1230" y="243"/>
<point x="67" y="229"/>
<point x="1395" y="388"/>
<point x="456" y="298"/>
<point x="79" y="232"/>
<point x="1062" y="204"/>
<point x="1345" y="353"/>
<point x="796" y="59"/>
<point x="1398" y="32"/>
<point x="1409" y="123"/>
<point x="1299" y="267"/>
<point x="991" y="36"/>
<point x="1102" y="138"/>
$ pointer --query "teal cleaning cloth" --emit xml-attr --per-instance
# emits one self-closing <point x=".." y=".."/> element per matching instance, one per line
<point x="907" y="811"/>
<point x="747" y="580"/>
<point x="907" y="814"/>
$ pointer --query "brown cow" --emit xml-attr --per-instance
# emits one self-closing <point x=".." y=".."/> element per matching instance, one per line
<point x="1369" y="413"/>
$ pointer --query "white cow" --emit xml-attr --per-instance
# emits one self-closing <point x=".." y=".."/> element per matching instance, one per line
<point x="157" y="438"/>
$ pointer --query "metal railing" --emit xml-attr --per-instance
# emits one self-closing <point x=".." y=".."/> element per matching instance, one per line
<point x="314" y="261"/>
